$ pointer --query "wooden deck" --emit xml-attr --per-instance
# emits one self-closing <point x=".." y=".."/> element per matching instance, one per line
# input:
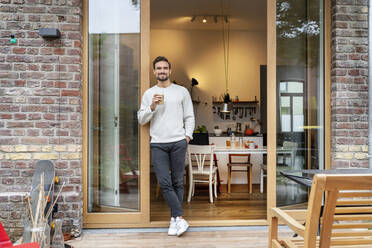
<point x="255" y="237"/>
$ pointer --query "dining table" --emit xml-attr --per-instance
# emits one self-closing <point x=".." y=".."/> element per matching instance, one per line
<point x="226" y="150"/>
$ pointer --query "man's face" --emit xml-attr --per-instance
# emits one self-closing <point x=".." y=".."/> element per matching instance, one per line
<point x="162" y="71"/>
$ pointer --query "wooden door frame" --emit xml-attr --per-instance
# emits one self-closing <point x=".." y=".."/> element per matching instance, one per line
<point x="114" y="220"/>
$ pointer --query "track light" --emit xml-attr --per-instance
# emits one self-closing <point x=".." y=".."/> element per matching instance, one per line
<point x="213" y="19"/>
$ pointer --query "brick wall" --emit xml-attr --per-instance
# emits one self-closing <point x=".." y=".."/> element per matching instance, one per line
<point x="40" y="103"/>
<point x="349" y="83"/>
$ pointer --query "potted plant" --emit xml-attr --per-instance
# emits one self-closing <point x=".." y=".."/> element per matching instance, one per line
<point x="226" y="97"/>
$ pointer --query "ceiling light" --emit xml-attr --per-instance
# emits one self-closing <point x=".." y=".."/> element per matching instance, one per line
<point x="204" y="20"/>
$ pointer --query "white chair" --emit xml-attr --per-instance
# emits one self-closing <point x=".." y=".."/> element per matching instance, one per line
<point x="287" y="145"/>
<point x="262" y="175"/>
<point x="201" y="169"/>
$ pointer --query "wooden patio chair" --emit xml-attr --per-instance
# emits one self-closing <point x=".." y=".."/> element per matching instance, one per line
<point x="346" y="219"/>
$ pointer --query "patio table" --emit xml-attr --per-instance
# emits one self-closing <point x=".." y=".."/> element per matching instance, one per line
<point x="305" y="177"/>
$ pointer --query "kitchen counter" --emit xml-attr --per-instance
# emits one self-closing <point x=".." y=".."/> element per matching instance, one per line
<point x="236" y="135"/>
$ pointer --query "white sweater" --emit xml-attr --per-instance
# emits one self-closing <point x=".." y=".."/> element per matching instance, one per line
<point x="171" y="121"/>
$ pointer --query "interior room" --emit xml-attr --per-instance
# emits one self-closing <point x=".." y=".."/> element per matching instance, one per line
<point x="217" y="47"/>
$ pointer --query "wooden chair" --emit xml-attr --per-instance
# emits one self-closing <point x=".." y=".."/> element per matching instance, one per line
<point x="201" y="169"/>
<point x="233" y="164"/>
<point x="347" y="214"/>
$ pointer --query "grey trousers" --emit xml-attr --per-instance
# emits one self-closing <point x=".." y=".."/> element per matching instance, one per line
<point x="168" y="160"/>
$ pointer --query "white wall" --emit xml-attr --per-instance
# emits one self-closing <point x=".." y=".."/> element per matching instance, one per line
<point x="199" y="54"/>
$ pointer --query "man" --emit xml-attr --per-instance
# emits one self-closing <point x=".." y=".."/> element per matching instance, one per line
<point x="168" y="108"/>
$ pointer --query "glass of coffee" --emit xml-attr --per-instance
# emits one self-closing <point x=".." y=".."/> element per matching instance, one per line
<point x="161" y="96"/>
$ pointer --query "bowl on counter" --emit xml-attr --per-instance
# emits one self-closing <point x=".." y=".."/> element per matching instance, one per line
<point x="217" y="132"/>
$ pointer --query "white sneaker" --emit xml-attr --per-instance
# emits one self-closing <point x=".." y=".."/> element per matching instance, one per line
<point x="182" y="226"/>
<point x="172" y="231"/>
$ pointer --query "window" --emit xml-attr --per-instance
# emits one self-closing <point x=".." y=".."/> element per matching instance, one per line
<point x="291" y="95"/>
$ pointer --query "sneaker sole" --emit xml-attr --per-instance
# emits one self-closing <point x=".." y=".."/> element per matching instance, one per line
<point x="179" y="235"/>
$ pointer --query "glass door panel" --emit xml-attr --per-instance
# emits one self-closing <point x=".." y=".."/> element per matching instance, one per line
<point x="114" y="64"/>
<point x="300" y="82"/>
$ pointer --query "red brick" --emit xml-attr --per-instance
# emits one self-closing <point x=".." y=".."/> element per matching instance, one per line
<point x="34" y="117"/>
<point x="46" y="67"/>
<point x="46" y="51"/>
<point x="59" y="51"/>
<point x="60" y="84"/>
<point x="33" y="51"/>
<point x="6" y="132"/>
<point x="49" y="116"/>
<point x="34" y="141"/>
<point x="9" y="108"/>
<point x="354" y="56"/>
<point x="354" y="72"/>
<point x="19" y="132"/>
<point x="36" y="108"/>
<point x="20" y="67"/>
<point x="62" y="133"/>
<point x="6" y="116"/>
<point x="48" y="132"/>
<point x="70" y="27"/>
<point x="20" y="116"/>
<point x="33" y="67"/>
<point x="19" y="58"/>
<point x="34" y="18"/>
<point x="60" y="68"/>
<point x="70" y="93"/>
<point x="77" y="43"/>
<point x="47" y="100"/>
<point x="19" y="50"/>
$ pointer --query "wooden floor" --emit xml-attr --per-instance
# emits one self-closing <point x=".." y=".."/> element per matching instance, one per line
<point x="201" y="239"/>
<point x="237" y="205"/>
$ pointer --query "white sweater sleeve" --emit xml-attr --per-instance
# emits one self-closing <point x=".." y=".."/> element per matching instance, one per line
<point x="145" y="114"/>
<point x="188" y="115"/>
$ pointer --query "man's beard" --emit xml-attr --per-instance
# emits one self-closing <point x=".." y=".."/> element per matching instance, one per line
<point x="162" y="79"/>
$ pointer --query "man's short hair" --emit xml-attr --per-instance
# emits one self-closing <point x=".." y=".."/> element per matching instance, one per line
<point x="160" y="58"/>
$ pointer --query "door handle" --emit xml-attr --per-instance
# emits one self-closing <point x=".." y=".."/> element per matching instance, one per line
<point x="116" y="121"/>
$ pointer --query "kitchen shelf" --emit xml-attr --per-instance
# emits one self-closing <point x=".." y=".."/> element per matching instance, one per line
<point x="240" y="102"/>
